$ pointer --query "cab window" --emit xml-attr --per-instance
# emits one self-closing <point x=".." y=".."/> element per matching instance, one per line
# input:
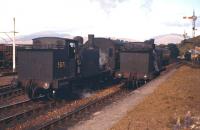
<point x="60" y="64"/>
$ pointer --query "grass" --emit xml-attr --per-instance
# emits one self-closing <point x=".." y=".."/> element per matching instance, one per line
<point x="168" y="105"/>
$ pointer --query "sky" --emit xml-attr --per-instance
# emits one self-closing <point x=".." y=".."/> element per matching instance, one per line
<point x="134" y="19"/>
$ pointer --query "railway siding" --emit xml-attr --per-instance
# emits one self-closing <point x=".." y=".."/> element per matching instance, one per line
<point x="11" y="93"/>
<point x="58" y="112"/>
<point x="5" y="80"/>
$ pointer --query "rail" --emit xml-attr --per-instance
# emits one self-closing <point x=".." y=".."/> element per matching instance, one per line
<point x="14" y="105"/>
<point x="11" y="93"/>
<point x="4" y="88"/>
<point x="8" y="74"/>
<point x="29" y="112"/>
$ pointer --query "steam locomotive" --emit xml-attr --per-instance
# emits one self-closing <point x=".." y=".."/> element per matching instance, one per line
<point x="55" y="63"/>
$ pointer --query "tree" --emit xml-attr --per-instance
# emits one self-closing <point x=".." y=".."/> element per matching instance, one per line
<point x="174" y="51"/>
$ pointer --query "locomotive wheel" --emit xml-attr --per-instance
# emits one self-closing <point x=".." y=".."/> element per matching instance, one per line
<point x="137" y="83"/>
<point x="50" y="94"/>
<point x="29" y="89"/>
<point x="134" y="83"/>
<point x="130" y="84"/>
<point x="33" y="91"/>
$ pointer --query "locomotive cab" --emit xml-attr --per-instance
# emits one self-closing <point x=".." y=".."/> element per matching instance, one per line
<point x="47" y="66"/>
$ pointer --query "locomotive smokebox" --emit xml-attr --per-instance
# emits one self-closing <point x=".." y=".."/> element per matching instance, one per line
<point x="91" y="40"/>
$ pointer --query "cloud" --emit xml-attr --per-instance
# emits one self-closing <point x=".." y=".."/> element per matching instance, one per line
<point x="182" y="24"/>
<point x="177" y="24"/>
<point x="146" y="5"/>
<point x="198" y="22"/>
<point x="108" y="5"/>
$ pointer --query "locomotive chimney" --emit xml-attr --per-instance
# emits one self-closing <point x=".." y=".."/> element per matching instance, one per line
<point x="79" y="39"/>
<point x="91" y="40"/>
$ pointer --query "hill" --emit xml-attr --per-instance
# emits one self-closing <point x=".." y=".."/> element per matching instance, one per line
<point x="161" y="39"/>
<point x="168" y="38"/>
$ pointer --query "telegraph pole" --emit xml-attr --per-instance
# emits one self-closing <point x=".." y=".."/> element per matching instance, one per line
<point x="14" y="64"/>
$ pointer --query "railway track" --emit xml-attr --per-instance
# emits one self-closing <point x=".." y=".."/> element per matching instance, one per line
<point x="18" y="111"/>
<point x="172" y="66"/>
<point x="14" y="105"/>
<point x="78" y="112"/>
<point x="34" y="115"/>
<point x="4" y="88"/>
<point x="11" y="92"/>
<point x="10" y="112"/>
<point x="21" y="111"/>
<point x="8" y="74"/>
<point x="191" y="64"/>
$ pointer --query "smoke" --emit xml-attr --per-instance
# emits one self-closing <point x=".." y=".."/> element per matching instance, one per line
<point x="103" y="59"/>
<point x="86" y="94"/>
<point x="108" y="5"/>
